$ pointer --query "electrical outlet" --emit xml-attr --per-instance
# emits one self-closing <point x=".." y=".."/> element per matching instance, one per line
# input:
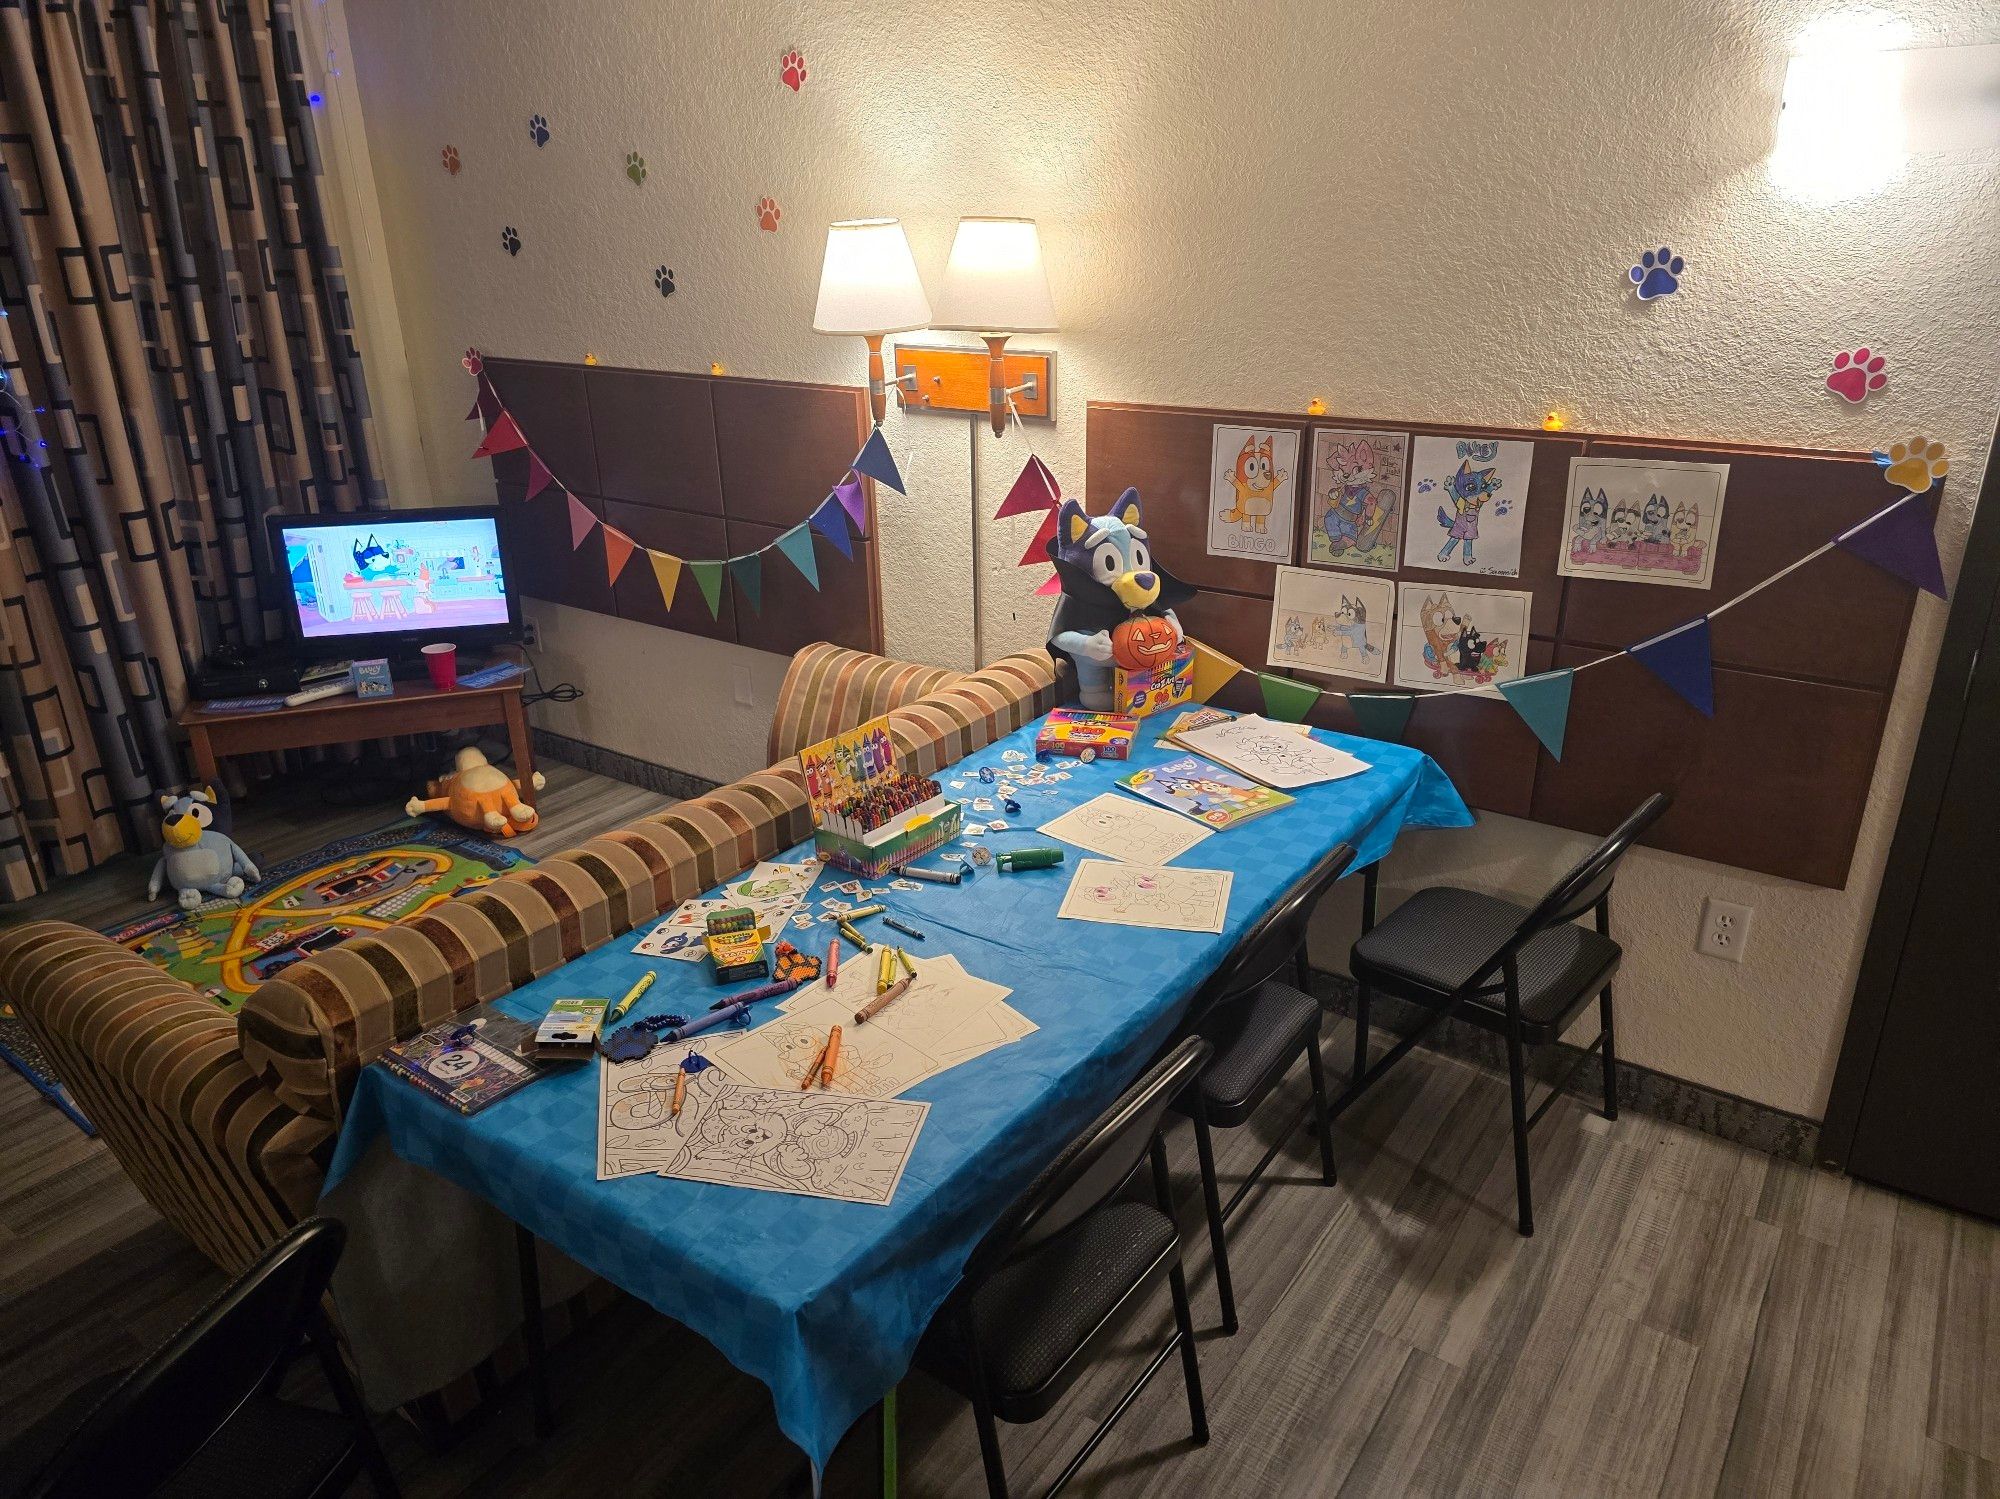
<point x="1725" y="930"/>
<point x="531" y="635"/>
<point x="745" y="697"/>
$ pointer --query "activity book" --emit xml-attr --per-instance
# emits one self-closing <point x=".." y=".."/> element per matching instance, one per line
<point x="1204" y="791"/>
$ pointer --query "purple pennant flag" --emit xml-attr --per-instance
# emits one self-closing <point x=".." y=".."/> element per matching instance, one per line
<point x="1900" y="540"/>
<point x="831" y="522"/>
<point x="1680" y="658"/>
<point x="854" y="502"/>
<point x="876" y="462"/>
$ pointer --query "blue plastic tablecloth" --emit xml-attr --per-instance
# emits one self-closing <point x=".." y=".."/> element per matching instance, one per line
<point x="825" y="1301"/>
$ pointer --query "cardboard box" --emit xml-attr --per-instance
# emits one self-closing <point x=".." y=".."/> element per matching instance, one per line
<point x="1144" y="693"/>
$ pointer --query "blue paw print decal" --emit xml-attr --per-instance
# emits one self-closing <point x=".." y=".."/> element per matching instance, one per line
<point x="1658" y="274"/>
<point x="510" y="241"/>
<point x="664" y="280"/>
<point x="538" y="129"/>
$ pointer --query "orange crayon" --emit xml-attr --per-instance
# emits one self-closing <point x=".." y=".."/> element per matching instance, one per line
<point x="832" y="1058"/>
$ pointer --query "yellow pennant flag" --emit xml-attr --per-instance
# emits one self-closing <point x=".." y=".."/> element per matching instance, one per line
<point x="1213" y="671"/>
<point x="667" y="568"/>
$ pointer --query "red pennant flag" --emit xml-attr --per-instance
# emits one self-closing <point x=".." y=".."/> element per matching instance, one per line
<point x="618" y="549"/>
<point x="539" y="477"/>
<point x="1038" y="550"/>
<point x="1053" y="586"/>
<point x="502" y="437"/>
<point x="580" y="522"/>
<point x="1035" y="489"/>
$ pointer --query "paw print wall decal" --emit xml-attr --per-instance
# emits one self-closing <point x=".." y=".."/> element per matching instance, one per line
<point x="472" y="362"/>
<point x="538" y="129"/>
<point x="664" y="280"/>
<point x="635" y="168"/>
<point x="1856" y="376"/>
<point x="1657" y="274"/>
<point x="792" y="69"/>
<point x="451" y="163"/>
<point x="510" y="241"/>
<point x="768" y="214"/>
<point x="1914" y="465"/>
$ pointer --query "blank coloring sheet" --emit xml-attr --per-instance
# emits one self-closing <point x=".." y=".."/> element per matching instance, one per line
<point x="1132" y="832"/>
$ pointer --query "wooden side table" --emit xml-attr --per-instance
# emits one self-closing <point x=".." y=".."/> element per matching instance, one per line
<point x="415" y="708"/>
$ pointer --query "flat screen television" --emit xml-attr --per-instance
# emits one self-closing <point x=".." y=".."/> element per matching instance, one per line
<point x="386" y="582"/>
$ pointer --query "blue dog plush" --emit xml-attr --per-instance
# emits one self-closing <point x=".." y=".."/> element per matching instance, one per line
<point x="1108" y="575"/>
<point x="198" y="859"/>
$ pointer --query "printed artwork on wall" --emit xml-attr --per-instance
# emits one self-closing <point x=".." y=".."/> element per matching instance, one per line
<point x="1453" y="638"/>
<point x="1338" y="623"/>
<point x="1642" y="521"/>
<point x="1253" y="478"/>
<point x="1468" y="502"/>
<point x="1356" y="497"/>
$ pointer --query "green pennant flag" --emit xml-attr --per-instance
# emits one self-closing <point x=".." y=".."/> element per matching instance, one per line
<point x="709" y="576"/>
<point x="1382" y="715"/>
<point x="1543" y="703"/>
<point x="797" y="545"/>
<point x="749" y="575"/>
<point x="1285" y="699"/>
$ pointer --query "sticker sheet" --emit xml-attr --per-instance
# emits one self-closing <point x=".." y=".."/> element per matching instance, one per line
<point x="1642" y="521"/>
<point x="1253" y="483"/>
<point x="1174" y="900"/>
<point x="1129" y="831"/>
<point x="1468" y="503"/>
<point x="1338" y="623"/>
<point x="1457" y="639"/>
<point x="1355" y="497"/>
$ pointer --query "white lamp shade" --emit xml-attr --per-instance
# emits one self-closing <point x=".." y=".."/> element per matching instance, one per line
<point x="994" y="282"/>
<point x="868" y="282"/>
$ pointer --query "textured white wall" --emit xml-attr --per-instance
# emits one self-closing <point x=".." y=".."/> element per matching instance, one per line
<point x="1419" y="211"/>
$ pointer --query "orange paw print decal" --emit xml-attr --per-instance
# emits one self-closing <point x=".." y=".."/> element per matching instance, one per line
<point x="768" y="214"/>
<point x="1914" y="465"/>
<point x="451" y="160"/>
<point x="792" y="69"/>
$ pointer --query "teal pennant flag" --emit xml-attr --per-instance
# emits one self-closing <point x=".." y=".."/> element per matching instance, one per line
<point x="797" y="545"/>
<point x="1543" y="703"/>
<point x="749" y="575"/>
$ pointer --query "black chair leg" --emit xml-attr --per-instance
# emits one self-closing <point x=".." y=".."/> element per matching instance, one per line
<point x="1211" y="1196"/>
<point x="1317" y="1068"/>
<point x="531" y="1329"/>
<point x="1517" y="1083"/>
<point x="348" y="1398"/>
<point x="1360" y="1035"/>
<point x="1190" y="1364"/>
<point x="1610" y="1056"/>
<point x="989" y="1447"/>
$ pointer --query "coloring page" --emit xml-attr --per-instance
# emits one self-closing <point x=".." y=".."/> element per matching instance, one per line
<point x="1175" y="900"/>
<point x="1273" y="753"/>
<point x="1132" y="832"/>
<point x="1355" y="498"/>
<point x="1468" y="502"/>
<point x="948" y="1013"/>
<point x="781" y="1140"/>
<point x="874" y="1061"/>
<point x="1252" y="481"/>
<point x="1642" y="521"/>
<point x="1337" y="623"/>
<point x="636" y="1129"/>
<point x="1459" y="639"/>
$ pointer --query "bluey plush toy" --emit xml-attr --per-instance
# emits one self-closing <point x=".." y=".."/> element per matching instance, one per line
<point x="1108" y="575"/>
<point x="198" y="859"/>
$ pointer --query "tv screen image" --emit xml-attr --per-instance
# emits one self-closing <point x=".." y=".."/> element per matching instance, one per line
<point x="397" y="576"/>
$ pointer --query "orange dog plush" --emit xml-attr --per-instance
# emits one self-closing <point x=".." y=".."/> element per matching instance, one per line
<point x="479" y="796"/>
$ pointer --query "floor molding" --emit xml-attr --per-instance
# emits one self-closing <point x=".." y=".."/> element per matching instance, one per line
<point x="1741" y="1121"/>
<point x="630" y="769"/>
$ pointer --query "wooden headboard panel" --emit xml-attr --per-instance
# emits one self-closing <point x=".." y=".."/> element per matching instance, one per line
<point x="703" y="466"/>
<point x="1775" y="782"/>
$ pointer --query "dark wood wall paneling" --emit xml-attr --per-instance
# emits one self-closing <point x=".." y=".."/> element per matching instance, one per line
<point x="1775" y="782"/>
<point x="702" y="466"/>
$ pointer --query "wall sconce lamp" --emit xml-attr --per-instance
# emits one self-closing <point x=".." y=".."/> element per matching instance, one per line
<point x="868" y="285"/>
<point x="994" y="285"/>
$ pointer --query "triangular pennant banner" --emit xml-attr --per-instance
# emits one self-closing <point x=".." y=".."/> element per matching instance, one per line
<point x="875" y="461"/>
<point x="1286" y="700"/>
<point x="580" y="522"/>
<point x="797" y="545"/>
<point x="749" y="575"/>
<point x="1213" y="671"/>
<point x="539" y="477"/>
<point x="1050" y="588"/>
<point x="709" y="576"/>
<point x="1382" y="715"/>
<point x="667" y="568"/>
<point x="1900" y="540"/>
<point x="1680" y="658"/>
<point x="1038" y="549"/>
<point x="502" y="437"/>
<point x="1543" y="703"/>
<point x="1035" y="489"/>
<point x="854" y="502"/>
<point x="477" y="411"/>
<point x="618" y="550"/>
<point x="831" y="522"/>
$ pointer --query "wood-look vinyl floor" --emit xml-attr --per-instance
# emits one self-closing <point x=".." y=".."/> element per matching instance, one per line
<point x="1691" y="1318"/>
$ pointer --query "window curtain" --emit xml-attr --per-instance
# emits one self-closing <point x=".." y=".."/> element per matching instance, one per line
<point x="178" y="362"/>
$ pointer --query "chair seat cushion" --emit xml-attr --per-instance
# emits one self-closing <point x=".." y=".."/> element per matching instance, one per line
<point x="272" y="1449"/>
<point x="1434" y="942"/>
<point x="1257" y="1039"/>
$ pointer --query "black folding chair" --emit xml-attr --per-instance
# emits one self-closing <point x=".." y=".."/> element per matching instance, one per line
<point x="1047" y="1283"/>
<point x="1259" y="1024"/>
<point x="1523" y="974"/>
<point x="201" y="1416"/>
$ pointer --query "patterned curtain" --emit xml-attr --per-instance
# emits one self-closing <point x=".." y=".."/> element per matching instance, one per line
<point x="177" y="360"/>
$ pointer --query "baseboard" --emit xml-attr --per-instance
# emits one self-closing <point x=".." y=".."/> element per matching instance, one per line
<point x="664" y="779"/>
<point x="1742" y="1121"/>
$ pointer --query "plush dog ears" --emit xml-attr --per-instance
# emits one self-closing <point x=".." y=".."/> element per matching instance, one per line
<point x="1072" y="522"/>
<point x="167" y="800"/>
<point x="207" y="794"/>
<point x="1127" y="509"/>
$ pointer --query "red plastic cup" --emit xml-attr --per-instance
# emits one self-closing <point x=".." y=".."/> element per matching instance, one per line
<point x="441" y="660"/>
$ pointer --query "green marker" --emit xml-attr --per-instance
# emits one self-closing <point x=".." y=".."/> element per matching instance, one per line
<point x="1029" y="858"/>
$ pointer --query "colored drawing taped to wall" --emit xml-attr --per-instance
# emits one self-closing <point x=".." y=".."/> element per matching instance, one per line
<point x="1337" y="623"/>
<point x="1356" y="497"/>
<point x="1453" y="638"/>
<point x="1468" y="503"/>
<point x="1643" y="522"/>
<point x="1253" y="481"/>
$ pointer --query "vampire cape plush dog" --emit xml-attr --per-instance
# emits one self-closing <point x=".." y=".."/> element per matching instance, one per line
<point x="1108" y="575"/>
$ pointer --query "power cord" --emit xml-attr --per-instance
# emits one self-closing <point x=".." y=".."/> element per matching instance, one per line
<point x="562" y="692"/>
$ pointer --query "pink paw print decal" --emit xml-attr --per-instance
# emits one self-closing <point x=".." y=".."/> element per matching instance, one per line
<point x="472" y="362"/>
<point x="1856" y="376"/>
<point x="768" y="214"/>
<point x="792" y="69"/>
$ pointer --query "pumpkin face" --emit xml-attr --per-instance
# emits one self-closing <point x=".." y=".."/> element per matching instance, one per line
<point x="1145" y="642"/>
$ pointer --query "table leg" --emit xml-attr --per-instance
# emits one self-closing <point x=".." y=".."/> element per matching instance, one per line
<point x="531" y="1330"/>
<point x="521" y="742"/>
<point x="205" y="768"/>
<point x="888" y="1451"/>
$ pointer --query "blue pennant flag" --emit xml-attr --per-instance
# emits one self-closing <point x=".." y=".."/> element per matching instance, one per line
<point x="831" y="522"/>
<point x="1543" y="703"/>
<point x="749" y="575"/>
<point x="1680" y="658"/>
<point x="875" y="461"/>
<point x="797" y="545"/>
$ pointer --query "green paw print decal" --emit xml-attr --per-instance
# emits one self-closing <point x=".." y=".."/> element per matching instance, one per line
<point x="635" y="168"/>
